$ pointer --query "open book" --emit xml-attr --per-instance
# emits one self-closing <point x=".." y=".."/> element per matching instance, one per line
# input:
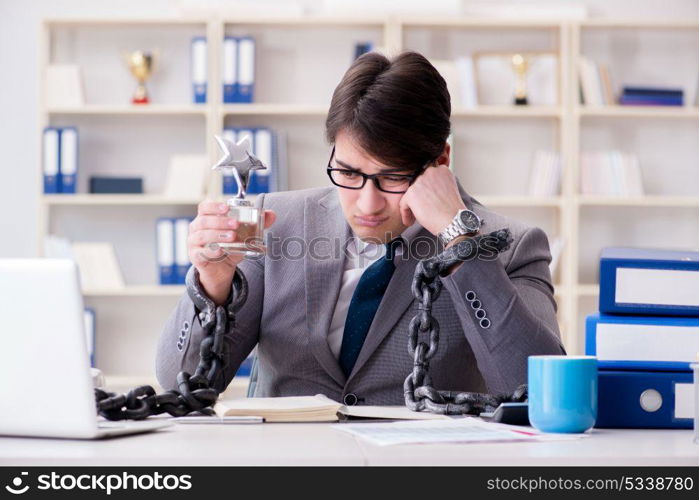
<point x="318" y="408"/>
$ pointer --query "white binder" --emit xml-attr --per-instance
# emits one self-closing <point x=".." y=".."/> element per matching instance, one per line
<point x="50" y="160"/>
<point x="264" y="179"/>
<point x="68" y="165"/>
<point x="165" y="239"/>
<point x="246" y="69"/>
<point x="230" y="70"/>
<point x="199" y="69"/>
<point x="181" y="256"/>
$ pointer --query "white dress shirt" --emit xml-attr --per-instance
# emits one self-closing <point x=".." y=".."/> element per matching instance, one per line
<point x="360" y="255"/>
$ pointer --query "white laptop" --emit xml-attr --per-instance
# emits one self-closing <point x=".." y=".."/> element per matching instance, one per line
<point x="45" y="382"/>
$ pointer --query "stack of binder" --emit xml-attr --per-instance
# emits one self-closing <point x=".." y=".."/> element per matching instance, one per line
<point x="645" y="337"/>
<point x="263" y="143"/>
<point x="60" y="160"/>
<point x="238" y="69"/>
<point x="171" y="243"/>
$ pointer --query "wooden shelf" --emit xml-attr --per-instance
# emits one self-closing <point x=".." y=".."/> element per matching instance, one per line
<point x="119" y="109"/>
<point x="509" y="112"/>
<point x="271" y="109"/>
<point x="138" y="291"/>
<point x="520" y="201"/>
<point x="639" y="24"/>
<point x="638" y="201"/>
<point x="307" y="20"/>
<point x="114" y="199"/>
<point x="128" y="21"/>
<point x="638" y="111"/>
<point x="471" y="22"/>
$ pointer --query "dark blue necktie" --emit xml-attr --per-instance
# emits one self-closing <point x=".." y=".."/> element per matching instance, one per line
<point x="364" y="304"/>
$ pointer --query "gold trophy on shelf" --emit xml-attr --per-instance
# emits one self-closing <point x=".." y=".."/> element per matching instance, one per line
<point x="141" y="65"/>
<point x="520" y="65"/>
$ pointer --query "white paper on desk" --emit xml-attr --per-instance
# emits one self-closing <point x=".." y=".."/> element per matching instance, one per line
<point x="462" y="430"/>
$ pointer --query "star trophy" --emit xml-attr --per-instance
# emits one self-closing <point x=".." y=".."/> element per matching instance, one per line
<point x="238" y="161"/>
<point x="141" y="65"/>
<point x="520" y="64"/>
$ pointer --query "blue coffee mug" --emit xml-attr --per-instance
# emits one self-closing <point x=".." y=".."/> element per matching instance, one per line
<point x="562" y="393"/>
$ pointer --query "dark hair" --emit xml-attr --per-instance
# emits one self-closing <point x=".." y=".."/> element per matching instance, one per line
<point x="397" y="110"/>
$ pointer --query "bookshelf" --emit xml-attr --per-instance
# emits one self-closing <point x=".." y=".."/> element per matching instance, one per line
<point x="493" y="143"/>
<point x="639" y="112"/>
<point x="636" y="52"/>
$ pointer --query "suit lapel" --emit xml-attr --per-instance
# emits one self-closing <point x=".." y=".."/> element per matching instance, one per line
<point x="326" y="232"/>
<point x="396" y="300"/>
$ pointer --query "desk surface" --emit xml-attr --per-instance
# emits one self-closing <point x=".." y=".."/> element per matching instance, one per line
<point x="320" y="444"/>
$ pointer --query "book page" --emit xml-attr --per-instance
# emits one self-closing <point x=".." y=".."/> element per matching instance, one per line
<point x="282" y="404"/>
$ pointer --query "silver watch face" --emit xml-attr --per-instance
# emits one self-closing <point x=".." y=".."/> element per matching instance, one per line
<point x="470" y="221"/>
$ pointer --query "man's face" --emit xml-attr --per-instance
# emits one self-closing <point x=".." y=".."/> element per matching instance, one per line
<point x="372" y="214"/>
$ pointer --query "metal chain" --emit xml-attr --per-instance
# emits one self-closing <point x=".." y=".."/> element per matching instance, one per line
<point x="426" y="287"/>
<point x="195" y="392"/>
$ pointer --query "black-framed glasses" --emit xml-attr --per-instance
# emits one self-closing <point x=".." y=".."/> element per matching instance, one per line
<point x="353" y="179"/>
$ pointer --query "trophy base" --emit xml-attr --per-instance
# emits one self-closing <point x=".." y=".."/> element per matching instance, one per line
<point x="240" y="248"/>
<point x="521" y="101"/>
<point x="140" y="96"/>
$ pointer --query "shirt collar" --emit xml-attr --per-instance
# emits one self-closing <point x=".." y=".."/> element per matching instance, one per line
<point x="363" y="247"/>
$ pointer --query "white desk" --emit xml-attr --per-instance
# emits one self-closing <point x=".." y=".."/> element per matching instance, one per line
<point x="319" y="444"/>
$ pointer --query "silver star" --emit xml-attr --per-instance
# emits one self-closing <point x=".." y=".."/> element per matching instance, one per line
<point x="238" y="159"/>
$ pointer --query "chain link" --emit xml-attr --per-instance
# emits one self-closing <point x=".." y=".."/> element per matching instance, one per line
<point x="195" y="393"/>
<point x="426" y="287"/>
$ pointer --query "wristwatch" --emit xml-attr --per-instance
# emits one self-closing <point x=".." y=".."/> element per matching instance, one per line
<point x="465" y="222"/>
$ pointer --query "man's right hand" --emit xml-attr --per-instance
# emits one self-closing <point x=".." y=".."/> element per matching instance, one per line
<point x="216" y="268"/>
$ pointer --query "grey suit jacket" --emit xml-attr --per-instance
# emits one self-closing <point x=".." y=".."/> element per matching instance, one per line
<point x="294" y="288"/>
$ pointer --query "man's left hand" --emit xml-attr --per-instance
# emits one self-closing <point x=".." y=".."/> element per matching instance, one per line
<point x="433" y="200"/>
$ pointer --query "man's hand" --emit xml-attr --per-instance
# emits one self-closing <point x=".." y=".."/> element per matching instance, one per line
<point x="216" y="268"/>
<point x="433" y="200"/>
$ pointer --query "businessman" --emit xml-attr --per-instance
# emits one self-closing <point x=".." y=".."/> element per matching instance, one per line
<point x="330" y="303"/>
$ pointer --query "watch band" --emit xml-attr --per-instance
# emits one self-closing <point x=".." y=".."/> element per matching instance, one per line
<point x="456" y="229"/>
